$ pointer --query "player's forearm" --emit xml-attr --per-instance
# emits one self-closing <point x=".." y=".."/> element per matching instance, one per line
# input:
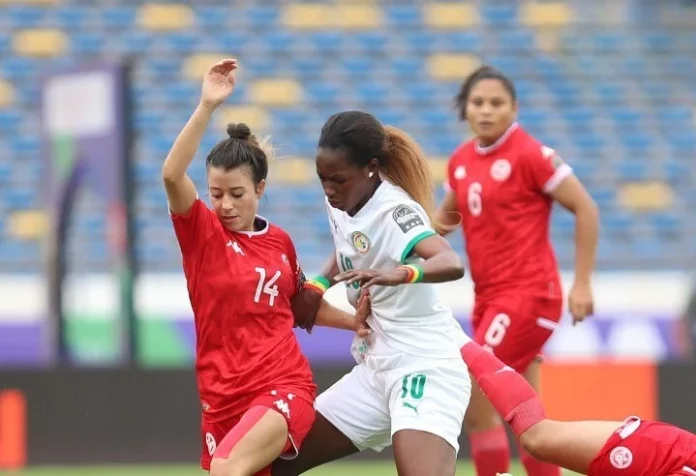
<point x="586" y="237"/>
<point x="441" y="268"/>
<point x="329" y="315"/>
<point x="184" y="149"/>
<point x="330" y="269"/>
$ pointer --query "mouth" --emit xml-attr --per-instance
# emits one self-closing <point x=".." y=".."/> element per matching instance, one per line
<point x="229" y="219"/>
<point x="486" y="124"/>
<point x="335" y="204"/>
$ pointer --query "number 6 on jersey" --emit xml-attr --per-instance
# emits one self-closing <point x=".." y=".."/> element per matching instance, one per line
<point x="269" y="287"/>
<point x="473" y="197"/>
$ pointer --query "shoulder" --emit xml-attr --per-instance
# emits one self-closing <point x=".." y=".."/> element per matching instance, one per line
<point x="278" y="233"/>
<point x="462" y="152"/>
<point x="528" y="146"/>
<point x="404" y="211"/>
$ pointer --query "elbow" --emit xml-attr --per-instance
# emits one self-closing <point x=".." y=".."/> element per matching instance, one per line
<point x="170" y="176"/>
<point x="589" y="211"/>
<point x="457" y="271"/>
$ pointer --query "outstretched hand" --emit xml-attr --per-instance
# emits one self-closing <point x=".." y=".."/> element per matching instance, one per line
<point x="371" y="277"/>
<point x="218" y="82"/>
<point x="361" y="315"/>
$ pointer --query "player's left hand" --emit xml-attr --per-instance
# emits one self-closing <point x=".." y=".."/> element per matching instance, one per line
<point x="580" y="302"/>
<point x="361" y="314"/>
<point x="370" y="277"/>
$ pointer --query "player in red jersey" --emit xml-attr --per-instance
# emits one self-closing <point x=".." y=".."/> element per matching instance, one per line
<point x="242" y="274"/>
<point x="596" y="448"/>
<point x="501" y="187"/>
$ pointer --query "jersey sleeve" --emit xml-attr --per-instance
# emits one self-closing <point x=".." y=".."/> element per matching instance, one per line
<point x="193" y="228"/>
<point x="406" y="225"/>
<point x="298" y="275"/>
<point x="545" y="169"/>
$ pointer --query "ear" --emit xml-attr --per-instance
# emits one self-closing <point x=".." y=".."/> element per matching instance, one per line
<point x="260" y="188"/>
<point x="372" y="168"/>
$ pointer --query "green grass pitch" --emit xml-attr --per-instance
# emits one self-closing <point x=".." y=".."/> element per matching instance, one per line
<point x="385" y="468"/>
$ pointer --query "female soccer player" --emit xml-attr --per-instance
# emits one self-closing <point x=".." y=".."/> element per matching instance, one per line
<point x="596" y="448"/>
<point x="410" y="386"/>
<point x="242" y="272"/>
<point x="501" y="187"/>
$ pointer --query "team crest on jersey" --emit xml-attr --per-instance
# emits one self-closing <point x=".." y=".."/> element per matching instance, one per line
<point x="500" y="170"/>
<point x="621" y="457"/>
<point x="407" y="218"/>
<point x="460" y="172"/>
<point x="361" y="243"/>
<point x="552" y="155"/>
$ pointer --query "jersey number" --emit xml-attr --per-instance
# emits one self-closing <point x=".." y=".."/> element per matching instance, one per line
<point x="497" y="330"/>
<point x="347" y="265"/>
<point x="473" y="198"/>
<point x="266" y="287"/>
<point x="413" y="385"/>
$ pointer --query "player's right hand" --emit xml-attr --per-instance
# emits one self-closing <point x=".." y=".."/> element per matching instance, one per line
<point x="218" y="82"/>
<point x="361" y="315"/>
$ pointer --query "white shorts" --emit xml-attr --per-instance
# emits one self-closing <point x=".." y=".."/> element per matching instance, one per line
<point x="385" y="394"/>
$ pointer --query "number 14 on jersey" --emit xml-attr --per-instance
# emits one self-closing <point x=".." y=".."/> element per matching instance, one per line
<point x="266" y="287"/>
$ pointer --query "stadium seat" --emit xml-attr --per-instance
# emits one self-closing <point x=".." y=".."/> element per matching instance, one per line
<point x="40" y="42"/>
<point x="288" y="170"/>
<point x="645" y="196"/>
<point x="357" y="16"/>
<point x="275" y="92"/>
<point x="258" y="119"/>
<point x="7" y="94"/>
<point x="545" y="14"/>
<point x="306" y="16"/>
<point x="165" y="17"/>
<point x="451" y="66"/>
<point x="450" y="15"/>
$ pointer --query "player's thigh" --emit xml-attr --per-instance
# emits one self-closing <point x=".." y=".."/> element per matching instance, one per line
<point x="428" y="399"/>
<point x="259" y="438"/>
<point x="480" y="415"/>
<point x="358" y="407"/>
<point x="421" y="453"/>
<point x="516" y="331"/>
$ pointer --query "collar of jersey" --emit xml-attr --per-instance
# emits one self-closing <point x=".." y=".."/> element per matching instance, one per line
<point x="373" y="199"/>
<point x="262" y="231"/>
<point x="496" y="145"/>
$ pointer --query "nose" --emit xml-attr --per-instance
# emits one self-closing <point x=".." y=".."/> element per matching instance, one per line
<point x="227" y="203"/>
<point x="329" y="191"/>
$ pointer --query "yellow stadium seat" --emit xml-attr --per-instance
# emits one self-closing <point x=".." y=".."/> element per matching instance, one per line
<point x="27" y="224"/>
<point x="258" y="119"/>
<point x="164" y="17"/>
<point x="645" y="196"/>
<point x="276" y="92"/>
<point x="291" y="170"/>
<point x="7" y="93"/>
<point x="546" y="14"/>
<point x="40" y="42"/>
<point x="357" y="16"/>
<point x="438" y="168"/>
<point x="450" y="15"/>
<point x="195" y="66"/>
<point x="451" y="66"/>
<point x="548" y="40"/>
<point x="306" y="16"/>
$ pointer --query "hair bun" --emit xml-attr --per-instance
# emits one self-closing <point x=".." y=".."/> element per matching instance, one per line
<point x="239" y="131"/>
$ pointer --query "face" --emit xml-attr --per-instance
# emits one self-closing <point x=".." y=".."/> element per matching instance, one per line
<point x="490" y="109"/>
<point x="345" y="185"/>
<point x="234" y="197"/>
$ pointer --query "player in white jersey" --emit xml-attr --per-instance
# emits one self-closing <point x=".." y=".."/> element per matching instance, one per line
<point x="410" y="387"/>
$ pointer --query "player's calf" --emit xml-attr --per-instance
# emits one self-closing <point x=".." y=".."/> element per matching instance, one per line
<point x="252" y="445"/>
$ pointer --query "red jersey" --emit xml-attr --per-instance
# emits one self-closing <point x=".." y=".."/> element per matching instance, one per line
<point x="502" y="194"/>
<point x="240" y="286"/>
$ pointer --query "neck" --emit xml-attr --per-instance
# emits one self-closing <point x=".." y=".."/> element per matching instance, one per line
<point x="366" y="199"/>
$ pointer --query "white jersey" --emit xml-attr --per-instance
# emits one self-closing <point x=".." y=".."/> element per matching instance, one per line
<point x="410" y="318"/>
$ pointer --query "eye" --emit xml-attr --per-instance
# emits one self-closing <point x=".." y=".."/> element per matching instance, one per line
<point x="238" y="195"/>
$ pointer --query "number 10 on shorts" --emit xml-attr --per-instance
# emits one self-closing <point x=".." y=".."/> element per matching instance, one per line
<point x="413" y="386"/>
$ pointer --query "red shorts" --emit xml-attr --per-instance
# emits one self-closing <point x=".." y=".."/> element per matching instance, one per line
<point x="515" y="327"/>
<point x="647" y="448"/>
<point x="298" y="412"/>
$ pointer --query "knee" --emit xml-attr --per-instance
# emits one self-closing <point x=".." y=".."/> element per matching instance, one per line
<point x="227" y="467"/>
<point x="476" y="421"/>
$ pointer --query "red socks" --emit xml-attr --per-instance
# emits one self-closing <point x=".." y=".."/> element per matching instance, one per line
<point x="508" y="392"/>
<point x="534" y="467"/>
<point x="490" y="451"/>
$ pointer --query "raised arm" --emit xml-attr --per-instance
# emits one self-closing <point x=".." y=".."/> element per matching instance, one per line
<point x="218" y="84"/>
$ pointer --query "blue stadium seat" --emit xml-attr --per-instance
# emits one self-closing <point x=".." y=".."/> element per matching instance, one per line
<point x="73" y="17"/>
<point x="400" y="16"/>
<point x="25" y="16"/>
